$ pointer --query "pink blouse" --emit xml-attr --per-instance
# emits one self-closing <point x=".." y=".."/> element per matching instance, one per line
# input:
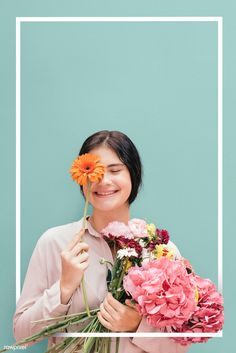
<point x="40" y="297"/>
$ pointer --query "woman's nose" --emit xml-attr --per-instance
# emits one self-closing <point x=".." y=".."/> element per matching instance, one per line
<point x="106" y="178"/>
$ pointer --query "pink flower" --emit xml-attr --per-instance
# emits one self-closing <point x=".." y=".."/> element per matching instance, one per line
<point x="163" y="290"/>
<point x="138" y="227"/>
<point x="123" y="242"/>
<point x="187" y="265"/>
<point x="208" y="316"/>
<point x="209" y="313"/>
<point x="185" y="341"/>
<point x="117" y="229"/>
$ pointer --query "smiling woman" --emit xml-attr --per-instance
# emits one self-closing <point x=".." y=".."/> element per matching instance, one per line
<point x="120" y="154"/>
<point x="62" y="256"/>
<point x="110" y="195"/>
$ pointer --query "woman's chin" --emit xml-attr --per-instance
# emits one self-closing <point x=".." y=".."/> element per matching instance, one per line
<point x="105" y="208"/>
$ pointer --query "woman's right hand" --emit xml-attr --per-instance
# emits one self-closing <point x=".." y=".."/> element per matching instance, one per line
<point x="74" y="261"/>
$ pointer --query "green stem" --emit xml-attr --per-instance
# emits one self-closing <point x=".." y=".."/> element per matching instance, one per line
<point x="84" y="223"/>
<point x="85" y="297"/>
<point x="105" y="345"/>
<point x="82" y="313"/>
<point x="109" y="344"/>
<point x="122" y="275"/>
<point x="86" y="204"/>
<point x="56" y="327"/>
<point x="96" y="346"/>
<point x="62" y="345"/>
<point x="117" y="344"/>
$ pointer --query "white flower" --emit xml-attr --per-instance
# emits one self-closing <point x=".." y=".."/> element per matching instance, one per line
<point x="145" y="255"/>
<point x="142" y="243"/>
<point x="127" y="252"/>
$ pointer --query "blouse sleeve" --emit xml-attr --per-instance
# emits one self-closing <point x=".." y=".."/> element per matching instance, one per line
<point x="38" y="300"/>
<point x="156" y="344"/>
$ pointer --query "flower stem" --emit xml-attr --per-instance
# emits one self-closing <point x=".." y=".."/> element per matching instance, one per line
<point x="85" y="297"/>
<point x="117" y="344"/>
<point x="84" y="224"/>
<point x="121" y="276"/>
<point x="86" y="203"/>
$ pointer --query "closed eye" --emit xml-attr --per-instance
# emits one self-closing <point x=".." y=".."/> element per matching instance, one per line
<point x="115" y="171"/>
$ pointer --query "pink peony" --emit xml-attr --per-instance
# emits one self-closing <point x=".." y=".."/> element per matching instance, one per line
<point x="208" y="316"/>
<point x="187" y="265"/>
<point x="163" y="290"/>
<point x="117" y="229"/>
<point x="138" y="228"/>
<point x="209" y="313"/>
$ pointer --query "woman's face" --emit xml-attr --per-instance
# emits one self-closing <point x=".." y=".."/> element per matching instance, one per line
<point x="113" y="191"/>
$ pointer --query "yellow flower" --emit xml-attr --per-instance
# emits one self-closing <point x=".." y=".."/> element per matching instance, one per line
<point x="151" y="228"/>
<point x="161" y="250"/>
<point x="128" y="265"/>
<point x="196" y="295"/>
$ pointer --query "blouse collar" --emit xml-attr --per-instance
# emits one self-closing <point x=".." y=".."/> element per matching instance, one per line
<point x="90" y="229"/>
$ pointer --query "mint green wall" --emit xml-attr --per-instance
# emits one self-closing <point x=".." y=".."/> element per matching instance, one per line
<point x="157" y="82"/>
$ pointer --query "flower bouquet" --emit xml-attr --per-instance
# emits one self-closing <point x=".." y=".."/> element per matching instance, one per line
<point x="149" y="271"/>
<point x="162" y="286"/>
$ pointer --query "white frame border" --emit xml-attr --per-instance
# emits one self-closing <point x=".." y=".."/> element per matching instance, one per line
<point x="219" y="21"/>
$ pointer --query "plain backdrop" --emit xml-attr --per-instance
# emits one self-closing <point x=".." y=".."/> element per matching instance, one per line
<point x="156" y="82"/>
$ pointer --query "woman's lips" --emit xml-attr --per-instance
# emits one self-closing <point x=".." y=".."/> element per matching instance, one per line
<point x="105" y="194"/>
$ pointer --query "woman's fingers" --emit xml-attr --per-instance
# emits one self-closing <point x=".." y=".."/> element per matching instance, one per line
<point x="83" y="265"/>
<point x="77" y="238"/>
<point x="113" y="303"/>
<point x="109" y="308"/>
<point x="82" y="257"/>
<point x="105" y="314"/>
<point x="104" y="322"/>
<point x="78" y="248"/>
<point x="130" y="304"/>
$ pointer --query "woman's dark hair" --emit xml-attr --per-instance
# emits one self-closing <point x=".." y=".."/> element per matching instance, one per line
<point x="125" y="150"/>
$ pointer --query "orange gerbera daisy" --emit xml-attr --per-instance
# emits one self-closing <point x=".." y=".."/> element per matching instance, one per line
<point x="87" y="167"/>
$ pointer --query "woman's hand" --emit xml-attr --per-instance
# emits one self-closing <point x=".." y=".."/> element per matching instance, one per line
<point x="118" y="317"/>
<point x="74" y="261"/>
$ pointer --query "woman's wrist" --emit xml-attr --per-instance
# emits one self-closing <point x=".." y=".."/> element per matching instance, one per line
<point x="66" y="294"/>
<point x="136" y="325"/>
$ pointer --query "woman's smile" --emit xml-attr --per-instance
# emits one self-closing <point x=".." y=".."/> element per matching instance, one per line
<point x="105" y="194"/>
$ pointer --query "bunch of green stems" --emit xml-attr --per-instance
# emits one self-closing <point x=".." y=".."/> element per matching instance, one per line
<point x="90" y="322"/>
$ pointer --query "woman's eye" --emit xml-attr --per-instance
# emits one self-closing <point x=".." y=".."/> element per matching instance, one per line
<point x="115" y="171"/>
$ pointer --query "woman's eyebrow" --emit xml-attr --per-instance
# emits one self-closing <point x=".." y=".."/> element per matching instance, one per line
<point x="115" y="165"/>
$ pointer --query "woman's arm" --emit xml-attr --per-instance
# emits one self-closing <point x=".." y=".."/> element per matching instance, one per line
<point x="54" y="273"/>
<point x="38" y="299"/>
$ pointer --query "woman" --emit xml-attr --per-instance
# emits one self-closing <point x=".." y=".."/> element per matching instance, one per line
<point x="52" y="284"/>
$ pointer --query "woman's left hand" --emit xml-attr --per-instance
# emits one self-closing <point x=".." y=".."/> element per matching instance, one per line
<point x="118" y="317"/>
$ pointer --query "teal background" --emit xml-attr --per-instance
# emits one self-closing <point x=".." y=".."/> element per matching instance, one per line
<point x="157" y="82"/>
